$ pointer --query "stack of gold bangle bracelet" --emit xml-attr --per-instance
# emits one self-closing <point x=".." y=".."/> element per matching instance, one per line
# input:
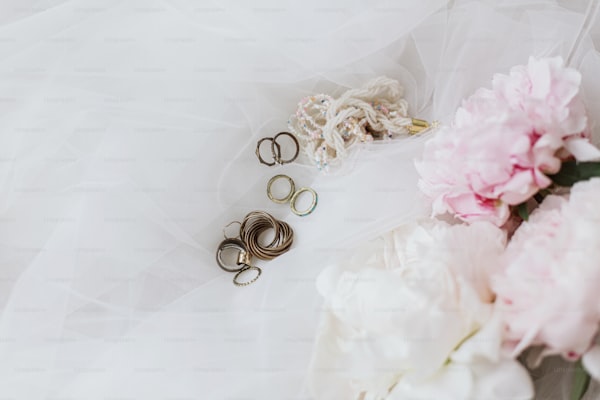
<point x="249" y="245"/>
<point x="256" y="223"/>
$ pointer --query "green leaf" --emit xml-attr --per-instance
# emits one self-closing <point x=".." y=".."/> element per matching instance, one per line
<point x="581" y="381"/>
<point x="523" y="212"/>
<point x="572" y="172"/>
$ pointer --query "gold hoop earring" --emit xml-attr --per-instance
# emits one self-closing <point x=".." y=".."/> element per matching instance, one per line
<point x="311" y="208"/>
<point x="236" y="282"/>
<point x="288" y="196"/>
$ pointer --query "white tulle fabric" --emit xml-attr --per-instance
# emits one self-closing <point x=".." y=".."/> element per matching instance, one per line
<point x="127" y="134"/>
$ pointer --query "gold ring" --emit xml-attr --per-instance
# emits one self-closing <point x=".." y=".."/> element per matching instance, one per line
<point x="277" y="154"/>
<point x="287" y="196"/>
<point x="246" y="268"/>
<point x="310" y="209"/>
<point x="274" y="146"/>
<point x="231" y="244"/>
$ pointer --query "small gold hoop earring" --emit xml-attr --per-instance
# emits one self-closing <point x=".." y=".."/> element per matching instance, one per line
<point x="313" y="205"/>
<point x="277" y="154"/>
<point x="274" y="146"/>
<point x="236" y="282"/>
<point x="288" y="196"/>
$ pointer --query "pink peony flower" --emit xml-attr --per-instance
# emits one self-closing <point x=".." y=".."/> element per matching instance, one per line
<point x="548" y="289"/>
<point x="505" y="141"/>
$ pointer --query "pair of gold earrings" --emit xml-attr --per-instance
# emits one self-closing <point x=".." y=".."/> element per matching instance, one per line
<point x="293" y="195"/>
<point x="276" y="149"/>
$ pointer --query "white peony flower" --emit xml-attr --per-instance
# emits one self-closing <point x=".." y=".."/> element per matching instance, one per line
<point x="397" y="312"/>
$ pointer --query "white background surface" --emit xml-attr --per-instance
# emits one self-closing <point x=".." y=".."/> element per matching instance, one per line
<point x="127" y="133"/>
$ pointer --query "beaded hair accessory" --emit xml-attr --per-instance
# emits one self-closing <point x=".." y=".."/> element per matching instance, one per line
<point x="326" y="127"/>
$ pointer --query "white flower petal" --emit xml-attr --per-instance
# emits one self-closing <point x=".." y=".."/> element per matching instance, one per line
<point x="503" y="380"/>
<point x="452" y="382"/>
<point x="591" y="362"/>
<point x="485" y="344"/>
<point x="582" y="149"/>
